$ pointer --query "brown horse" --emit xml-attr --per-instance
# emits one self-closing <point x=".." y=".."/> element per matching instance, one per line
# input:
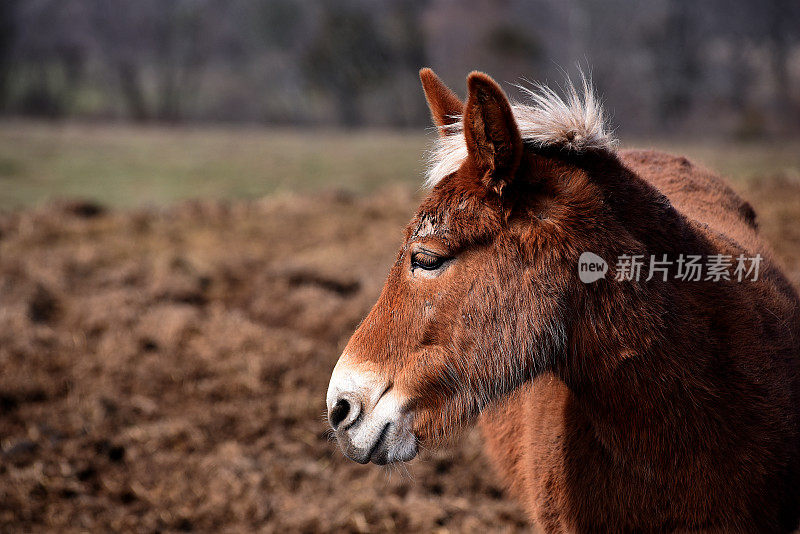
<point x="664" y="402"/>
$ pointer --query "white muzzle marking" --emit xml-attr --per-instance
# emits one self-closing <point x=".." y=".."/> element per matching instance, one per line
<point x="368" y="416"/>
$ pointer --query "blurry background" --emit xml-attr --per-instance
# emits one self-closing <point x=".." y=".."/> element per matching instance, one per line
<point x="663" y="66"/>
<point x="211" y="97"/>
<point x="199" y="200"/>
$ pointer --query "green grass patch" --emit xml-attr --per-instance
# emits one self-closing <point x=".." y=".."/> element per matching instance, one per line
<point x="122" y="165"/>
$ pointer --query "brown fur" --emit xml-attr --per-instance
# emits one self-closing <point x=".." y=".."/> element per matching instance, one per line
<point x="615" y="406"/>
<point x="445" y="106"/>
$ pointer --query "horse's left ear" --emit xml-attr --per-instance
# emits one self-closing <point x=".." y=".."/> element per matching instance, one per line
<point x="493" y="139"/>
<point x="446" y="108"/>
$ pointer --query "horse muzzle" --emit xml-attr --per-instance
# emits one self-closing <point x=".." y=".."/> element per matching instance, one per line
<point x="368" y="416"/>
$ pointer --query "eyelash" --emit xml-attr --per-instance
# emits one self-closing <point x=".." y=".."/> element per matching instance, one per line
<point x="436" y="263"/>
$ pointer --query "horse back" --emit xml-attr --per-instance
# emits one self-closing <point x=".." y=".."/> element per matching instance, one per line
<point x="698" y="194"/>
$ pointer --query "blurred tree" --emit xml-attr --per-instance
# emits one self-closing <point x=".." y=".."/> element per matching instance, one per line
<point x="508" y="40"/>
<point x="345" y="57"/>
<point x="8" y="35"/>
<point x="407" y="43"/>
<point x="280" y="22"/>
<point x="783" y="18"/>
<point x="50" y="55"/>
<point x="180" y="53"/>
<point x="677" y="69"/>
<point x="124" y="37"/>
<point x="158" y="50"/>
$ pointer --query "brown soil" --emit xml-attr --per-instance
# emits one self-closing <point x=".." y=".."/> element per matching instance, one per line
<point x="165" y="369"/>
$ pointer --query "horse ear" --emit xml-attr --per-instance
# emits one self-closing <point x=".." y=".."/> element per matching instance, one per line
<point x="493" y="139"/>
<point x="446" y="108"/>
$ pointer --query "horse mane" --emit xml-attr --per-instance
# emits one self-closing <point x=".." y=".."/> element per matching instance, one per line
<point x="574" y="124"/>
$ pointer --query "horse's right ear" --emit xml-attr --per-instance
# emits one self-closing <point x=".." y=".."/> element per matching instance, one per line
<point x="446" y="108"/>
<point x="493" y="139"/>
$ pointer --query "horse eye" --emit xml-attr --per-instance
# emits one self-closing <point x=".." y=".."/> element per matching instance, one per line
<point x="427" y="261"/>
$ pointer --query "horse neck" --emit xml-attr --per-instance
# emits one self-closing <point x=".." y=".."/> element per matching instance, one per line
<point x="636" y="356"/>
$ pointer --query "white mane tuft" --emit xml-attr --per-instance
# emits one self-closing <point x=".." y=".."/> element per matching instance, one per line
<point x="575" y="123"/>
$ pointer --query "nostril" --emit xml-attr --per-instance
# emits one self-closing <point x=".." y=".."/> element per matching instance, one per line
<point x="339" y="413"/>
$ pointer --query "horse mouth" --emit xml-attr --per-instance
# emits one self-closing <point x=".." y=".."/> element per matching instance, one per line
<point x="394" y="443"/>
<point x="378" y="455"/>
